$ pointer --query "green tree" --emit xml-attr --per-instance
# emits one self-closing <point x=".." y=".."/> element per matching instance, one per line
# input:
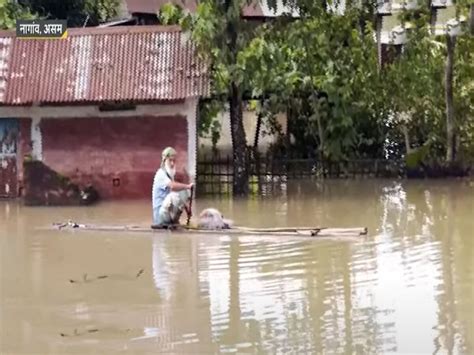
<point x="77" y="12"/>
<point x="317" y="66"/>
<point x="10" y="11"/>
<point x="221" y="34"/>
<point x="463" y="89"/>
<point x="323" y="69"/>
<point x="413" y="86"/>
<point x="428" y="89"/>
<point x="460" y="63"/>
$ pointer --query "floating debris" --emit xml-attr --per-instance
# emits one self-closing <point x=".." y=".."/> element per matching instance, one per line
<point x="76" y="333"/>
<point x="95" y="330"/>
<point x="86" y="279"/>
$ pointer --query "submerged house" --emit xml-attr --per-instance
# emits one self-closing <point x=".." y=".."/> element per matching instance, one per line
<point x="392" y="32"/>
<point x="96" y="108"/>
<point x="144" y="12"/>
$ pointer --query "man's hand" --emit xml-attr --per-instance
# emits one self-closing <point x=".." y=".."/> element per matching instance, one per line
<point x="190" y="186"/>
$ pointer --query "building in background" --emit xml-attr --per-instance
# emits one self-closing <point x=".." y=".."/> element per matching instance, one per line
<point x="391" y="32"/>
<point x="97" y="109"/>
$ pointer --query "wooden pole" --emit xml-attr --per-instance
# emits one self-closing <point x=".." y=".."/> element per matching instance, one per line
<point x="190" y="210"/>
<point x="471" y="22"/>
<point x="450" y="129"/>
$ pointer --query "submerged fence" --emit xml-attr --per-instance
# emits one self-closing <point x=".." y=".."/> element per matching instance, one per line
<point x="269" y="173"/>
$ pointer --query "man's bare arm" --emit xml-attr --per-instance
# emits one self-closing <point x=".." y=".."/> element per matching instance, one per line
<point x="177" y="186"/>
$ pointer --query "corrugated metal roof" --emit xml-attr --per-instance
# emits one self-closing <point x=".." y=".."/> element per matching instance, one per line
<point x="257" y="9"/>
<point x="5" y="54"/>
<point x="139" y="63"/>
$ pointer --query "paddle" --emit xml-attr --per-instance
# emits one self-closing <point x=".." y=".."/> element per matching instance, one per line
<point x="189" y="211"/>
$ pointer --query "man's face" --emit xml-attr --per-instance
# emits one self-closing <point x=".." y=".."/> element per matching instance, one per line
<point x="172" y="162"/>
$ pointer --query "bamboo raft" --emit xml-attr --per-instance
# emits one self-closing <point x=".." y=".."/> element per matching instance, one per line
<point x="182" y="229"/>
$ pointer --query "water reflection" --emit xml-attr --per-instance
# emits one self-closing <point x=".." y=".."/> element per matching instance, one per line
<point x="345" y="298"/>
<point x="406" y="288"/>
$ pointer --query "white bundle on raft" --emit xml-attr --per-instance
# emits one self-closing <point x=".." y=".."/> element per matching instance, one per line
<point x="212" y="219"/>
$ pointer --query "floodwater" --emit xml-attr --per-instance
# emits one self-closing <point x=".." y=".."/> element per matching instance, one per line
<point x="407" y="287"/>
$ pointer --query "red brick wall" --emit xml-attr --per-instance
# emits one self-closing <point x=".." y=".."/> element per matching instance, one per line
<point x="99" y="150"/>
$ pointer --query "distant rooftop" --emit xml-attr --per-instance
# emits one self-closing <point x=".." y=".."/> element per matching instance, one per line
<point x="258" y="9"/>
<point x="137" y="63"/>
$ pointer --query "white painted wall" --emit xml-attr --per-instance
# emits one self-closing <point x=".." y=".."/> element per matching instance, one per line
<point x="36" y="138"/>
<point x="191" y="113"/>
<point x="250" y="125"/>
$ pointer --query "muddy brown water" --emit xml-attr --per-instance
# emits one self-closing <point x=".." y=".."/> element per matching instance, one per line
<point x="407" y="287"/>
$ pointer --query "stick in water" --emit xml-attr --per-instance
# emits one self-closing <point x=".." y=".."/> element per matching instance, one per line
<point x="190" y="206"/>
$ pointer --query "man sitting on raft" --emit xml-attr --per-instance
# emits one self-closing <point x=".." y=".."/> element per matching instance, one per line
<point x="169" y="197"/>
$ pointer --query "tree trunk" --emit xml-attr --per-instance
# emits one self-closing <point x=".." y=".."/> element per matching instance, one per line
<point x="239" y="143"/>
<point x="257" y="132"/>
<point x="256" y="154"/>
<point x="379" y="42"/>
<point x="316" y="107"/>
<point x="407" y="139"/>
<point x="321" y="137"/>
<point x="240" y="185"/>
<point x="471" y="22"/>
<point x="450" y="129"/>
